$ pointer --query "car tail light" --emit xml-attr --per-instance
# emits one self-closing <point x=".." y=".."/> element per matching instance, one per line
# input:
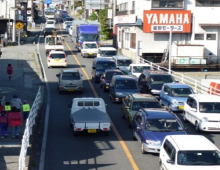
<point x="78" y="129"/>
<point x="105" y="129"/>
<point x="80" y="88"/>
<point x="65" y="61"/>
<point x="78" y="44"/>
<point x="48" y="60"/>
<point x="61" y="87"/>
<point x="98" y="44"/>
<point x="49" y="56"/>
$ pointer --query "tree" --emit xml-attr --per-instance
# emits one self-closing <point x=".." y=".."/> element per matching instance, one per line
<point x="93" y="16"/>
<point x="104" y="25"/>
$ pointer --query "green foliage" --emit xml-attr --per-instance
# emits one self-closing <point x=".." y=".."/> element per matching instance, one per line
<point x="71" y="7"/>
<point x="93" y="17"/>
<point x="104" y="26"/>
<point x="77" y="3"/>
<point x="81" y="11"/>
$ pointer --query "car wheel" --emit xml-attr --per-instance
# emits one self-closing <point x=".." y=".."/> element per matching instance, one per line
<point x="160" y="164"/>
<point x="197" y="127"/>
<point x="129" y="125"/>
<point x="71" y="125"/>
<point x="60" y="92"/>
<point x="81" y="92"/>
<point x="142" y="148"/>
<point x="104" y="89"/>
<point x="113" y="99"/>
<point x="133" y="136"/>
<point x="184" y="117"/>
<point x="75" y="133"/>
<point x="106" y="133"/>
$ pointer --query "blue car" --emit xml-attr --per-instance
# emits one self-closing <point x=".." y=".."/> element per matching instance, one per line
<point x="174" y="95"/>
<point x="151" y="126"/>
<point x="121" y="86"/>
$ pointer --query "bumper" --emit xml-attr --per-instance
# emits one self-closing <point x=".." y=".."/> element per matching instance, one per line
<point x="70" y="89"/>
<point x="151" y="148"/>
<point x="57" y="64"/>
<point x="177" y="107"/>
<point x="209" y="126"/>
<point x="89" y="54"/>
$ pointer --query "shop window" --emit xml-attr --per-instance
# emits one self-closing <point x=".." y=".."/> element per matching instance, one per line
<point x="133" y="40"/>
<point x="208" y="3"/>
<point x="211" y="37"/>
<point x="167" y="3"/>
<point x="126" y="40"/>
<point x="199" y="36"/>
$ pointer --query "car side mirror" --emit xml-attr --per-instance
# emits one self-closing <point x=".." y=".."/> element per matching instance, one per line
<point x="58" y="75"/>
<point x="93" y="68"/>
<point x="170" y="161"/>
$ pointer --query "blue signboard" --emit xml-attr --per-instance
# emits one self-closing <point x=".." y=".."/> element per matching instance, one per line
<point x="48" y="1"/>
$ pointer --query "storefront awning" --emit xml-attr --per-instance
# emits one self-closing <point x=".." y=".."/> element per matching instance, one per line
<point x="138" y="23"/>
<point x="209" y="25"/>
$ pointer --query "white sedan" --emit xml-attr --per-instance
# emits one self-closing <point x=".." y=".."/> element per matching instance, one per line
<point x="57" y="59"/>
<point x="203" y="111"/>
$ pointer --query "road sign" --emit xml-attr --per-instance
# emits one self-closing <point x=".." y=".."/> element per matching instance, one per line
<point x="19" y="25"/>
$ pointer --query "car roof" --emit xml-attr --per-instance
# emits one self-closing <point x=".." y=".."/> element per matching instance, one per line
<point x="140" y="64"/>
<point x="70" y="70"/>
<point x="121" y="57"/>
<point x="113" y="70"/>
<point x="125" y="77"/>
<point x="206" y="97"/>
<point x="192" y="142"/>
<point x="159" y="113"/>
<point x="143" y="96"/>
<point x="107" y="49"/>
<point x="177" y="85"/>
<point x="103" y="59"/>
<point x="56" y="52"/>
<point x="155" y="72"/>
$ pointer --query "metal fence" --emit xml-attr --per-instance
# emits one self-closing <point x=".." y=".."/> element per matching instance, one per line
<point x="28" y="128"/>
<point x="195" y="84"/>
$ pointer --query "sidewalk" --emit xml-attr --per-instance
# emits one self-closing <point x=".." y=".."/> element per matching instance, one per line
<point x="25" y="82"/>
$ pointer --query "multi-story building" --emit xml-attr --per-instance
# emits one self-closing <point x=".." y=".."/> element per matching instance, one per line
<point x="143" y="26"/>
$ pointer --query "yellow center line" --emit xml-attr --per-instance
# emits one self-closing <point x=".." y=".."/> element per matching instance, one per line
<point x="121" y="141"/>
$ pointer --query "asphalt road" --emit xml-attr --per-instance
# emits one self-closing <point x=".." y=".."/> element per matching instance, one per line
<point x="92" y="151"/>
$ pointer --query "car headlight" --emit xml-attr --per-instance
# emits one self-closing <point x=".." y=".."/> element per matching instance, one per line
<point x="174" y="101"/>
<point x="151" y="142"/>
<point x="205" y="119"/>
<point x="119" y="94"/>
<point x="155" y="91"/>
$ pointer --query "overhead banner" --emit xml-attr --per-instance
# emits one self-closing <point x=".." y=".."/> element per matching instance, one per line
<point x="162" y="21"/>
<point x="47" y="1"/>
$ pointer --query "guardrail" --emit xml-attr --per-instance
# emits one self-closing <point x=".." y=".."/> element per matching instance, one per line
<point x="195" y="84"/>
<point x="28" y="128"/>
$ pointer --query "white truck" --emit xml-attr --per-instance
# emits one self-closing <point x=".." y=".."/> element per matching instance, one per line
<point x="53" y="43"/>
<point x="89" y="49"/>
<point x="89" y="115"/>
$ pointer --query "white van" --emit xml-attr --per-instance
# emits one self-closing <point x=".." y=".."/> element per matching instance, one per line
<point x="188" y="152"/>
<point x="107" y="52"/>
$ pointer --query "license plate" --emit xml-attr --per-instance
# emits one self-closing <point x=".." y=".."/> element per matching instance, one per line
<point x="57" y="60"/>
<point x="181" y="107"/>
<point x="90" y="53"/>
<point x="91" y="130"/>
<point x="70" y="89"/>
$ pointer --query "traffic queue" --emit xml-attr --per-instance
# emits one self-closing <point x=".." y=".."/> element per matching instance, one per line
<point x="150" y="101"/>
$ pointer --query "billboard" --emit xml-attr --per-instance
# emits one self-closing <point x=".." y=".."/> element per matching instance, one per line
<point x="47" y="1"/>
<point x="162" y="21"/>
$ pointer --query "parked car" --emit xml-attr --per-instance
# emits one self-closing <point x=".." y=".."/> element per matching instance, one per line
<point x="174" y="95"/>
<point x="56" y="59"/>
<point x="191" y="152"/>
<point x="203" y="111"/>
<point x="133" y="102"/>
<point x="99" y="65"/>
<point x="107" y="52"/>
<point x="151" y="126"/>
<point x="70" y="81"/>
<point x="121" y="86"/>
<point x="106" y="77"/>
<point x="151" y="81"/>
<point x="89" y="49"/>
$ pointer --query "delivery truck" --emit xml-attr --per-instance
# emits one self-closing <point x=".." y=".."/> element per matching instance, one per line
<point x="85" y="31"/>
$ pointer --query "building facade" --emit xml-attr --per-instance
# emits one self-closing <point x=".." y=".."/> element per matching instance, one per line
<point x="144" y="27"/>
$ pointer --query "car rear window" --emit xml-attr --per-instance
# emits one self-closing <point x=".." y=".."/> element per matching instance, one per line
<point x="145" y="104"/>
<point x="106" y="65"/>
<point x="124" y="62"/>
<point x="88" y="103"/>
<point x="71" y="76"/>
<point x="109" y="75"/>
<point x="50" y="22"/>
<point x="108" y="53"/>
<point x="161" y="79"/>
<point x="54" y="56"/>
<point x="126" y="84"/>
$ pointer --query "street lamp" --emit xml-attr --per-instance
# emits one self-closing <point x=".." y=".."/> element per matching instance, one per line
<point x="15" y="8"/>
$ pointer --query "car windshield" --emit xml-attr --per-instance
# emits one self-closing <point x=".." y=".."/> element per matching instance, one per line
<point x="89" y="37"/>
<point x="139" y="69"/>
<point x="110" y="74"/>
<point x="69" y="19"/>
<point x="105" y="65"/>
<point x="107" y="53"/>
<point x="126" y="84"/>
<point x="198" y="158"/>
<point x="163" y="125"/>
<point x="181" y="92"/>
<point x="50" y="22"/>
<point x="145" y="104"/>
<point x="124" y="62"/>
<point x="161" y="79"/>
<point x="49" y="13"/>
<point x="87" y="46"/>
<point x="209" y="107"/>
<point x="71" y="76"/>
<point x="57" y="56"/>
